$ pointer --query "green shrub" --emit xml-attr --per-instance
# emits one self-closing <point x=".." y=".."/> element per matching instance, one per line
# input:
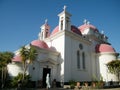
<point x="14" y="82"/>
<point x="72" y="84"/>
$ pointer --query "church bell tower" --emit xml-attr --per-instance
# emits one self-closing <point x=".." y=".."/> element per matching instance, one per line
<point x="45" y="31"/>
<point x="64" y="20"/>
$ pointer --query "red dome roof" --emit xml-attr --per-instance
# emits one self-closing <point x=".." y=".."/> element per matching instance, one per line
<point x="40" y="44"/>
<point x="85" y="26"/>
<point x="55" y="30"/>
<point x="17" y="58"/>
<point x="104" y="48"/>
<point x="73" y="28"/>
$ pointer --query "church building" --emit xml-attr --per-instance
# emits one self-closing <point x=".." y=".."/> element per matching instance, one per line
<point x="68" y="53"/>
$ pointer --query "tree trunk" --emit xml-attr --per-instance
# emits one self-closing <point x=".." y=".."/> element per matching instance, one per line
<point x="2" y="77"/>
<point x="24" y="71"/>
<point x="118" y="76"/>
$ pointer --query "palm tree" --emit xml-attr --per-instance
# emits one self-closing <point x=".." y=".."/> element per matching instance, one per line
<point x="114" y="67"/>
<point x="28" y="55"/>
<point x="5" y="59"/>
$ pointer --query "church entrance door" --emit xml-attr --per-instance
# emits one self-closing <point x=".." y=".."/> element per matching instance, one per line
<point x="45" y="71"/>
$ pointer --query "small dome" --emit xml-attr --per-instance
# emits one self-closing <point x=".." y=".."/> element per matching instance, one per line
<point x="40" y="44"/>
<point x="73" y="28"/>
<point x="104" y="48"/>
<point x="17" y="58"/>
<point x="85" y="26"/>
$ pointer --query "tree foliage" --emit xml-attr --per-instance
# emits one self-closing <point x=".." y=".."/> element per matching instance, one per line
<point x="15" y="80"/>
<point x="28" y="55"/>
<point x="114" y="67"/>
<point x="5" y="59"/>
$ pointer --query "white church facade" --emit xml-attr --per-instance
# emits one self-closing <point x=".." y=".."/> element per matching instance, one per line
<point x="69" y="53"/>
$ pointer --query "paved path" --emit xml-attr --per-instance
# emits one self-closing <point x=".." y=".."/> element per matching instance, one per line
<point x="61" y="89"/>
<point x="81" y="89"/>
<point x="73" y="89"/>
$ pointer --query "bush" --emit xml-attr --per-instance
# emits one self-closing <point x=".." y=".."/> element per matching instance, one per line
<point x="14" y="81"/>
<point x="72" y="84"/>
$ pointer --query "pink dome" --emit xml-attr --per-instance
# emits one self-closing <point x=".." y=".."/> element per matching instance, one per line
<point x="104" y="48"/>
<point x="55" y="30"/>
<point x="17" y="58"/>
<point x="73" y="29"/>
<point x="85" y="26"/>
<point x="40" y="44"/>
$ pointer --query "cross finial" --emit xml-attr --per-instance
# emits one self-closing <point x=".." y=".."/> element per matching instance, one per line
<point x="88" y="22"/>
<point x="46" y="20"/>
<point x="85" y="21"/>
<point x="64" y="7"/>
<point x="102" y="32"/>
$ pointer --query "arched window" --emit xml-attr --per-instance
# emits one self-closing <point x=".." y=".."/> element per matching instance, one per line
<point x="80" y="46"/>
<point x="67" y="22"/>
<point x="83" y="60"/>
<point x="78" y="59"/>
<point x="46" y="34"/>
<point x="61" y="24"/>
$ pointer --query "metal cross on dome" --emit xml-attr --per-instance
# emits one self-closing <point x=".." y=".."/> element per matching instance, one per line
<point x="46" y="20"/>
<point x="88" y="23"/>
<point x="85" y="21"/>
<point x="64" y="7"/>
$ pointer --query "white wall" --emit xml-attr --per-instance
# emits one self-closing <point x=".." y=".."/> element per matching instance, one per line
<point x="58" y="44"/>
<point x="35" y="71"/>
<point x="14" y="69"/>
<point x="71" y="70"/>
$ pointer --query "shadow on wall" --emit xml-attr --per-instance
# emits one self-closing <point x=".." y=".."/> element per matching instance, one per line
<point x="53" y="48"/>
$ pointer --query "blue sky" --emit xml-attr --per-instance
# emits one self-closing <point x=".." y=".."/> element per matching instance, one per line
<point x="20" y="20"/>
